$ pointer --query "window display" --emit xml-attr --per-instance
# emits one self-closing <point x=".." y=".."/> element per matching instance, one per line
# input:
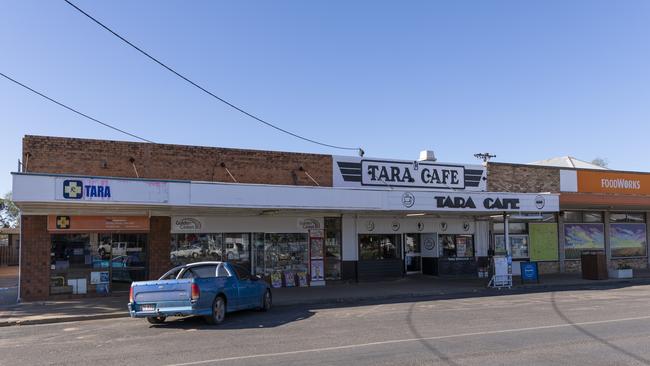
<point x="518" y="246"/>
<point x="579" y="237"/>
<point x="379" y="246"/>
<point x="231" y="247"/>
<point x="457" y="246"/>
<point x="628" y="240"/>
<point x="285" y="257"/>
<point x="100" y="263"/>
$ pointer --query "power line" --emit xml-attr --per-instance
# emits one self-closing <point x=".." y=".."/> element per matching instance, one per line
<point x="207" y="91"/>
<point x="73" y="110"/>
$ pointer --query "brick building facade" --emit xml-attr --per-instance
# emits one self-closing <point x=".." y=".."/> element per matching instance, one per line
<point x="268" y="196"/>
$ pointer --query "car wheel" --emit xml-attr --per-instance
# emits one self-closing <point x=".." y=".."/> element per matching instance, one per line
<point x="156" y="319"/>
<point x="267" y="301"/>
<point x="218" y="311"/>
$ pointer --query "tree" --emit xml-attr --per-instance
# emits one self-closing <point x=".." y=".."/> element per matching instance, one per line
<point x="8" y="211"/>
<point x="600" y="162"/>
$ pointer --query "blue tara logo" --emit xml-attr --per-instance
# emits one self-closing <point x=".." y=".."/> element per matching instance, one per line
<point x="75" y="189"/>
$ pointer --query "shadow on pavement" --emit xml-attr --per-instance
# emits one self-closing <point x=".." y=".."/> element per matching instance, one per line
<point x="582" y="330"/>
<point x="247" y="319"/>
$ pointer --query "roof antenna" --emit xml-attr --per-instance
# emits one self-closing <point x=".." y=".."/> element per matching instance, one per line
<point x="484" y="156"/>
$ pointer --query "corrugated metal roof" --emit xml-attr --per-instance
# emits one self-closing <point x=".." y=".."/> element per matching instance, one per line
<point x="567" y="162"/>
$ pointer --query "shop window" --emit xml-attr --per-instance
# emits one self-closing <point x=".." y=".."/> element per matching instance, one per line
<point x="627" y="217"/>
<point x="583" y="216"/>
<point x="332" y="248"/>
<point x="518" y="246"/>
<point x="286" y="257"/>
<point x="231" y="247"/>
<point x="258" y="250"/>
<point x="379" y="247"/>
<point x="582" y="236"/>
<point x="513" y="227"/>
<point x="124" y="256"/>
<point x="628" y="239"/>
<point x="457" y="246"/>
<point x="72" y="258"/>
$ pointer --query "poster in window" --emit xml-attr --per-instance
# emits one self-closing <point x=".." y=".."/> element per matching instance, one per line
<point x="579" y="237"/>
<point x="302" y="278"/>
<point x="276" y="279"/>
<point x="98" y="278"/>
<point x="543" y="242"/>
<point x="289" y="279"/>
<point x="628" y="240"/>
<point x="316" y="248"/>
<point x="317" y="272"/>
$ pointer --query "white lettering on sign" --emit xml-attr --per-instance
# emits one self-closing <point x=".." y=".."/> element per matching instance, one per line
<point x="620" y="183"/>
<point x="415" y="174"/>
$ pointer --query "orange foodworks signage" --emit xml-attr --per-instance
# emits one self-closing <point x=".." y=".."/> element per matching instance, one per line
<point x="612" y="182"/>
<point x="63" y="223"/>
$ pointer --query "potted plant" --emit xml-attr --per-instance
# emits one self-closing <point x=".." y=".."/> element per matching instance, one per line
<point x="624" y="271"/>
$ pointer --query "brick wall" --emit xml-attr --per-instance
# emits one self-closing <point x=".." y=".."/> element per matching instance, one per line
<point x="548" y="267"/>
<point x="60" y="155"/>
<point x="35" y="259"/>
<point x="159" y="246"/>
<point x="522" y="178"/>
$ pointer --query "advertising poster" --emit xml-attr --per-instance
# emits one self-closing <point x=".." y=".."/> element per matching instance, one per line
<point x="289" y="278"/>
<point x="276" y="279"/>
<point x="316" y="248"/>
<point x="302" y="278"/>
<point x="317" y="272"/>
<point x="579" y="237"/>
<point x="628" y="240"/>
<point x="543" y="242"/>
<point x="97" y="278"/>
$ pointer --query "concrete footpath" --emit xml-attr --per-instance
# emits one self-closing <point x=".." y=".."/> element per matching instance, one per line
<point x="405" y="289"/>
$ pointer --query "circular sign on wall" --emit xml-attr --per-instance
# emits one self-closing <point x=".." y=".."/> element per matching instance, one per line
<point x="408" y="199"/>
<point x="540" y="202"/>
<point x="395" y="225"/>
<point x="370" y="225"/>
<point x="429" y="243"/>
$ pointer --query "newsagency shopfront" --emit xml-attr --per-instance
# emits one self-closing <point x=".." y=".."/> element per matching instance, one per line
<point x="89" y="235"/>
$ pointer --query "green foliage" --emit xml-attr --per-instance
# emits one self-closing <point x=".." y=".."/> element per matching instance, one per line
<point x="8" y="212"/>
<point x="600" y="162"/>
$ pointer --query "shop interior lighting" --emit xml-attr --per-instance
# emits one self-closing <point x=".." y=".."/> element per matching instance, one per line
<point x="415" y="214"/>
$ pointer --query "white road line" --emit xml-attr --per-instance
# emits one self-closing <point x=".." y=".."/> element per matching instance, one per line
<point x="394" y="341"/>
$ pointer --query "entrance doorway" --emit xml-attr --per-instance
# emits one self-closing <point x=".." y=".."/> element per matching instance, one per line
<point x="412" y="253"/>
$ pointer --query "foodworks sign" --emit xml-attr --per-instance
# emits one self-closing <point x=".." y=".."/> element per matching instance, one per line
<point x="613" y="182"/>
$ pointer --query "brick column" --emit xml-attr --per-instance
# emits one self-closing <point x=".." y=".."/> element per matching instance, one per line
<point x="159" y="246"/>
<point x="35" y="259"/>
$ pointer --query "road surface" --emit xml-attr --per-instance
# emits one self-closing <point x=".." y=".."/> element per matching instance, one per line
<point x="594" y="327"/>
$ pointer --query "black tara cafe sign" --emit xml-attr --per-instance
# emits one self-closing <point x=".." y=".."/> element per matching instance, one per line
<point x="413" y="174"/>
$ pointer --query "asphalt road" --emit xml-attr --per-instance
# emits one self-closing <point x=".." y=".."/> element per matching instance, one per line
<point x="599" y="327"/>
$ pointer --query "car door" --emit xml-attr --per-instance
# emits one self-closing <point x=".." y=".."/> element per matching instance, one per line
<point x="230" y="286"/>
<point x="247" y="289"/>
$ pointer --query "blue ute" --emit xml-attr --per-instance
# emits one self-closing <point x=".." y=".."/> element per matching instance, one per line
<point x="208" y="289"/>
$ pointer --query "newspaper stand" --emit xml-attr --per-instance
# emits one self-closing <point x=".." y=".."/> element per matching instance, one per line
<point x="502" y="275"/>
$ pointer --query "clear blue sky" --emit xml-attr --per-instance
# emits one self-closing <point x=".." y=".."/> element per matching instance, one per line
<point x="524" y="80"/>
